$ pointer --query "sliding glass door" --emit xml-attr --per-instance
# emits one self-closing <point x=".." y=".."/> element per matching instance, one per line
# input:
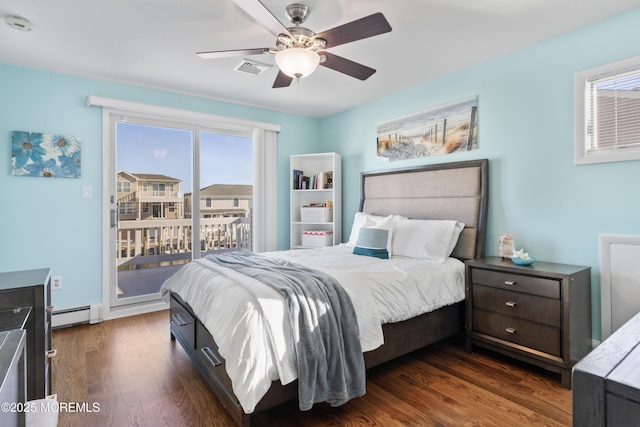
<point x="156" y="186"/>
<point x="180" y="192"/>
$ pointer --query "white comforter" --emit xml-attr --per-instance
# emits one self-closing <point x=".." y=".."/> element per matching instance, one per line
<point x="248" y="320"/>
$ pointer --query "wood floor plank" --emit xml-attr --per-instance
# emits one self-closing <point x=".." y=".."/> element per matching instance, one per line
<point x="139" y="377"/>
<point x="551" y="400"/>
<point x="466" y="398"/>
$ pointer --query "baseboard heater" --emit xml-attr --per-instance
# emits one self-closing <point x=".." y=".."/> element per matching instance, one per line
<point x="76" y="316"/>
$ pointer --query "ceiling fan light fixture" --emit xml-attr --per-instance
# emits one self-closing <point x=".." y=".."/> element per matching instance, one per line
<point x="297" y="62"/>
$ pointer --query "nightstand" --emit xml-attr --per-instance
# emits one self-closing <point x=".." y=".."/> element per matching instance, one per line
<point x="539" y="314"/>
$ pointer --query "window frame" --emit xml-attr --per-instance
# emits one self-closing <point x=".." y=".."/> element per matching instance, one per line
<point x="126" y="208"/>
<point x="123" y="187"/>
<point x="582" y="155"/>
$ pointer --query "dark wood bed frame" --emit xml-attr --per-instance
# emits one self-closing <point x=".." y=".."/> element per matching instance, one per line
<point x="456" y="190"/>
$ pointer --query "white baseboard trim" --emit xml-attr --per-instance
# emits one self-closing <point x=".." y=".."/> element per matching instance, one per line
<point x="70" y="317"/>
<point x="94" y="313"/>
<point x="135" y="309"/>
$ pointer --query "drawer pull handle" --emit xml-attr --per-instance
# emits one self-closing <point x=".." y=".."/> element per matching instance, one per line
<point x="211" y="356"/>
<point x="511" y="304"/>
<point x="511" y="330"/>
<point x="509" y="283"/>
<point x="52" y="353"/>
<point x="178" y="320"/>
<point x="50" y="309"/>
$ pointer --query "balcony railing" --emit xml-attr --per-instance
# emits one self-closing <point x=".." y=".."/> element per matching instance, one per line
<point x="140" y="194"/>
<point x="170" y="241"/>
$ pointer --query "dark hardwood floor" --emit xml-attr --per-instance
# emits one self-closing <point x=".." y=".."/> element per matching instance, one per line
<point x="137" y="376"/>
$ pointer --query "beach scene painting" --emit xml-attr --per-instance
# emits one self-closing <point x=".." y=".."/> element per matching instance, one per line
<point x="442" y="130"/>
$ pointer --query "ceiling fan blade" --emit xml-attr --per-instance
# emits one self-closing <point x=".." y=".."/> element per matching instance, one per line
<point x="282" y="80"/>
<point x="346" y="66"/>
<point x="232" y="53"/>
<point x="359" y="29"/>
<point x="263" y="16"/>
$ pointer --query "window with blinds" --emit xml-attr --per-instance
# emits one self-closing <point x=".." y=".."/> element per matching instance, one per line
<point x="608" y="113"/>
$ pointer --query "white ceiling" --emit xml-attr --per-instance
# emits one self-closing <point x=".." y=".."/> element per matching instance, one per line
<point x="152" y="43"/>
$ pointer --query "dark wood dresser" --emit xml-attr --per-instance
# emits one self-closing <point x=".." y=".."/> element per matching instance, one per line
<point x="12" y="377"/>
<point x="606" y="383"/>
<point x="540" y="314"/>
<point x="32" y="288"/>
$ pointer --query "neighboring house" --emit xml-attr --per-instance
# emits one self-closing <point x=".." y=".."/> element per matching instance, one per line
<point x="155" y="218"/>
<point x="222" y="201"/>
<point x="148" y="196"/>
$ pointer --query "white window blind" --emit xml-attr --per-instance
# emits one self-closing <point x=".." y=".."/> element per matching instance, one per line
<point x="608" y="113"/>
<point x="614" y="115"/>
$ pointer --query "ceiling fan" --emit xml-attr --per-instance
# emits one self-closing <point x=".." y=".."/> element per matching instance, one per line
<point x="298" y="50"/>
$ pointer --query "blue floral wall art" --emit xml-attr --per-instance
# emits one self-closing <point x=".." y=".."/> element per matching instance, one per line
<point x="43" y="154"/>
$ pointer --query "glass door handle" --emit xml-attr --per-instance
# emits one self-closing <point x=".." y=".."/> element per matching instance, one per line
<point x="114" y="218"/>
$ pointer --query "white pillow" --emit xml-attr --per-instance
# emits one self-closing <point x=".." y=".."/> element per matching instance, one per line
<point x="359" y="221"/>
<point x="425" y="239"/>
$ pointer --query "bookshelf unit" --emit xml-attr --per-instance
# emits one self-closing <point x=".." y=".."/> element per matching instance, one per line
<point x="315" y="165"/>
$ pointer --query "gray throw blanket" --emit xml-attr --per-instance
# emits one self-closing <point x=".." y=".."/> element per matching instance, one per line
<point x="325" y="329"/>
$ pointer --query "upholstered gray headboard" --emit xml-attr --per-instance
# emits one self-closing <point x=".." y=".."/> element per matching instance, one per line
<point x="457" y="190"/>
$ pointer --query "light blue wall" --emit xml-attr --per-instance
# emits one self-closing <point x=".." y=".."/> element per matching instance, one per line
<point x="46" y="223"/>
<point x="554" y="209"/>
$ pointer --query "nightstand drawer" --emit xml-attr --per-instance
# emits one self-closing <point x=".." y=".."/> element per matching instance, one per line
<point x="518" y="304"/>
<point x="516" y="282"/>
<point x="518" y="331"/>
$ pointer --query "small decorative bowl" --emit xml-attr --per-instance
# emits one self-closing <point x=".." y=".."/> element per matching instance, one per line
<point x="524" y="261"/>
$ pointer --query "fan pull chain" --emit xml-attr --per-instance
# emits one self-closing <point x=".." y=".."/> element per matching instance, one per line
<point x="298" y="88"/>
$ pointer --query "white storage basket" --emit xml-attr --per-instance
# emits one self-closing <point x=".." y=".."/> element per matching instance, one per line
<point x="317" y="238"/>
<point x="316" y="214"/>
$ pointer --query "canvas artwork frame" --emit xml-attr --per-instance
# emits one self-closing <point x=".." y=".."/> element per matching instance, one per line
<point x="442" y="130"/>
<point x="45" y="155"/>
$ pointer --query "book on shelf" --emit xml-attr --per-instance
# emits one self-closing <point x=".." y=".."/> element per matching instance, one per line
<point x="304" y="183"/>
<point x="329" y="180"/>
<point x="297" y="174"/>
<point x="323" y="180"/>
<point x="326" y="180"/>
<point x="318" y="181"/>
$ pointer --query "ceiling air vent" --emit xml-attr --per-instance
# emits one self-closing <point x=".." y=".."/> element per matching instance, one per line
<point x="251" y="67"/>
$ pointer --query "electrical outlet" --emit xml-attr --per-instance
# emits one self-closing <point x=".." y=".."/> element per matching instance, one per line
<point x="56" y="282"/>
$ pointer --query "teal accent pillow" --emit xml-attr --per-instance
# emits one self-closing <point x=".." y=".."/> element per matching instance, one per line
<point x="372" y="242"/>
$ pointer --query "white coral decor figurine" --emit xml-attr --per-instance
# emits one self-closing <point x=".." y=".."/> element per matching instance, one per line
<point x="521" y="254"/>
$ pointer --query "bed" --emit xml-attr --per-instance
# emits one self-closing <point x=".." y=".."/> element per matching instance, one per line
<point x="444" y="193"/>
